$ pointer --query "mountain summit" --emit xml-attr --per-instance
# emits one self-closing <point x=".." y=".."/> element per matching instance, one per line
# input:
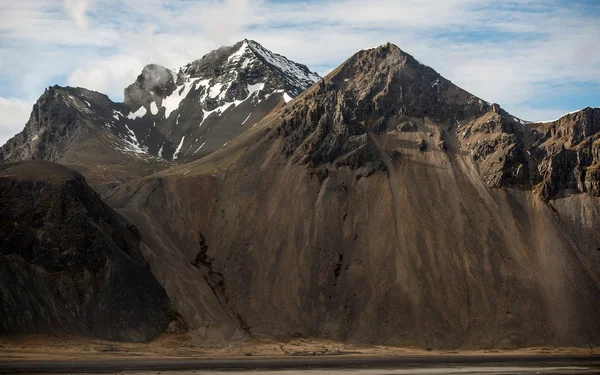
<point x="387" y="205"/>
<point x="167" y="115"/>
<point x="202" y="105"/>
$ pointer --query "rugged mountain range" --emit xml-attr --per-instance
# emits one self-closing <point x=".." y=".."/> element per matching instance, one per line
<point x="167" y="115"/>
<point x="383" y="205"/>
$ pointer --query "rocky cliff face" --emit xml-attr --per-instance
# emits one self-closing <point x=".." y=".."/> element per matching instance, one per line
<point x="69" y="263"/>
<point x="553" y="158"/>
<point x="567" y="152"/>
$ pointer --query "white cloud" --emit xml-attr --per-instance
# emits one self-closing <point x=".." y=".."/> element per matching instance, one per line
<point x="505" y="52"/>
<point x="77" y="10"/>
<point x="109" y="76"/>
<point x="14" y="113"/>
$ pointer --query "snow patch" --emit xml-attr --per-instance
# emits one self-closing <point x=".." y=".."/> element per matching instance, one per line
<point x="172" y="102"/>
<point x="176" y="154"/>
<point x="255" y="87"/>
<point x="117" y="114"/>
<point x="141" y="112"/>
<point x="200" y="147"/>
<point x="287" y="97"/>
<point x="247" y="118"/>
<point x="133" y="143"/>
<point x="153" y="108"/>
<point x="215" y="90"/>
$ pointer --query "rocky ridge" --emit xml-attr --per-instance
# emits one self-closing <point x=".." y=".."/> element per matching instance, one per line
<point x="338" y="121"/>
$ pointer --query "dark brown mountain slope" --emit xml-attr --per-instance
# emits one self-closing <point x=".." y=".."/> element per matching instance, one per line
<point x="362" y="212"/>
<point x="69" y="264"/>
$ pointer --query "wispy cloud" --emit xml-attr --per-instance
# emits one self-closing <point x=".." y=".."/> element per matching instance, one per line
<point x="77" y="10"/>
<point x="531" y="56"/>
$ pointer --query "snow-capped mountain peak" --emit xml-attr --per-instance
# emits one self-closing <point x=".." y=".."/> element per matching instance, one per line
<point x="189" y="101"/>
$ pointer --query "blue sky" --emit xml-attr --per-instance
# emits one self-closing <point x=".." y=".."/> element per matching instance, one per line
<point x="537" y="58"/>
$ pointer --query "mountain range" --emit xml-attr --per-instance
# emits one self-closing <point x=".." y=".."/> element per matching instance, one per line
<point x="244" y="196"/>
<point x="168" y="116"/>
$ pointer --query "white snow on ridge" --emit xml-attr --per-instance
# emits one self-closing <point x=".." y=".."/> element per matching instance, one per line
<point x="176" y="154"/>
<point x="284" y="65"/>
<point x="522" y="122"/>
<point x="287" y="97"/>
<point x="239" y="53"/>
<point x="566" y="114"/>
<point x="141" y="112"/>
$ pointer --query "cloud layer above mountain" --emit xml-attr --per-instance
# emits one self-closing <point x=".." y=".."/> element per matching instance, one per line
<point x="537" y="58"/>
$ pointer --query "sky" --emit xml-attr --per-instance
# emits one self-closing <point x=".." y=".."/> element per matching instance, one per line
<point x="538" y="59"/>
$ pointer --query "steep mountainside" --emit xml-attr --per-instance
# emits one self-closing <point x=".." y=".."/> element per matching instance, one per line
<point x="369" y="209"/>
<point x="167" y="115"/>
<point x="69" y="264"/>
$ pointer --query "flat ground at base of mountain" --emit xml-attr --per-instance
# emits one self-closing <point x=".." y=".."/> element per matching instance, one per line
<point x="186" y="346"/>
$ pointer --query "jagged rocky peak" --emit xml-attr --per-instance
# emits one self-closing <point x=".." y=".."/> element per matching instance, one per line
<point x="375" y="91"/>
<point x="228" y="74"/>
<point x="201" y="106"/>
<point x="54" y="120"/>
<point x="257" y="64"/>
